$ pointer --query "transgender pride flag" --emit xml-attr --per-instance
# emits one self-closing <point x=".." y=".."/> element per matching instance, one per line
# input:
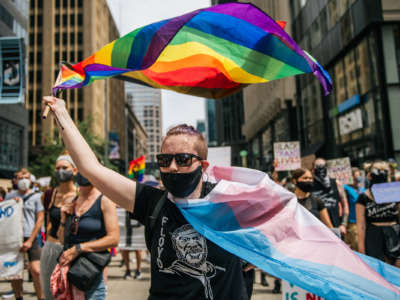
<point x="256" y="219"/>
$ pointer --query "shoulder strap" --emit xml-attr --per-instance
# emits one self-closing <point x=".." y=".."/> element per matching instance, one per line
<point x="27" y="197"/>
<point x="153" y="217"/>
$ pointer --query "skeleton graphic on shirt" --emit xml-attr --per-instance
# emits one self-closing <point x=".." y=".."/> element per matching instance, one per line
<point x="191" y="251"/>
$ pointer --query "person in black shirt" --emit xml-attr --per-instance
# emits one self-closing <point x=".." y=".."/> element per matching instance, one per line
<point x="332" y="193"/>
<point x="378" y="224"/>
<point x="303" y="179"/>
<point x="184" y="264"/>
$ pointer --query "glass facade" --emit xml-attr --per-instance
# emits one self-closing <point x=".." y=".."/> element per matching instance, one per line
<point x="350" y="121"/>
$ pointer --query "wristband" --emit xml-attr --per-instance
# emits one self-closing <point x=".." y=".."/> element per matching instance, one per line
<point x="78" y="248"/>
<point x="345" y="219"/>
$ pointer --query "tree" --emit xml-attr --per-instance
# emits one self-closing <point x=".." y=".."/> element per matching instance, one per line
<point x="42" y="159"/>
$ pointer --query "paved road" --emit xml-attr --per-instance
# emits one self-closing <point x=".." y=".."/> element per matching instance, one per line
<point x="132" y="289"/>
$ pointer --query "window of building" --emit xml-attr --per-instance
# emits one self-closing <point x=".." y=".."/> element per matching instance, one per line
<point x="80" y="19"/>
<point x="32" y="4"/>
<point x="363" y="67"/>
<point x="57" y="3"/>
<point x="72" y="56"/>
<point x="57" y="20"/>
<point x="38" y="58"/>
<point x="39" y="38"/>
<point x="80" y="38"/>
<point x="80" y="55"/>
<point x="65" y="19"/>
<point x="57" y="38"/>
<point x="65" y="3"/>
<point x="56" y="57"/>
<point x="31" y="39"/>
<point x="80" y="3"/>
<point x="72" y="19"/>
<point x="31" y="60"/>
<point x="72" y="37"/>
<point x="40" y="4"/>
<point x="40" y="20"/>
<point x="65" y="38"/>
<point x="31" y="20"/>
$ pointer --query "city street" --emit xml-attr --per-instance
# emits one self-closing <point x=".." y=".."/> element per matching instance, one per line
<point x="118" y="288"/>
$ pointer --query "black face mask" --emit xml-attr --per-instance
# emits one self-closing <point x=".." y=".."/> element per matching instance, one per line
<point x="181" y="185"/>
<point x="64" y="175"/>
<point x="320" y="171"/>
<point x="82" y="180"/>
<point x="378" y="176"/>
<point x="305" y="186"/>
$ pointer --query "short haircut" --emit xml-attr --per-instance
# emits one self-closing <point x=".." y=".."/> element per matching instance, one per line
<point x="184" y="129"/>
<point x="23" y="171"/>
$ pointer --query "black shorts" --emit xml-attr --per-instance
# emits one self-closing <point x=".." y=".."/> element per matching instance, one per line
<point x="383" y="241"/>
<point x="34" y="251"/>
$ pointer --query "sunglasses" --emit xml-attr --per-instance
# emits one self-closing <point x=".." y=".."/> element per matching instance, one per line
<point x="181" y="159"/>
<point x="73" y="229"/>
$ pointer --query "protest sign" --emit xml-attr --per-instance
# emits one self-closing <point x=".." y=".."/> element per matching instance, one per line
<point x="340" y="169"/>
<point x="287" y="156"/>
<point x="386" y="192"/>
<point x="291" y="292"/>
<point x="11" y="235"/>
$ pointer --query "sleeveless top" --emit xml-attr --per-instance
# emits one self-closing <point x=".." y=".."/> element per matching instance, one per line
<point x="90" y="225"/>
<point x="330" y="197"/>
<point x="55" y="219"/>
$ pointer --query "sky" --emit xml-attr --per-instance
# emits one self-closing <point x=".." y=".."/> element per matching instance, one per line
<point x="129" y="15"/>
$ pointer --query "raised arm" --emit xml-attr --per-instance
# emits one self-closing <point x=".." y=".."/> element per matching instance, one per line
<point x="118" y="188"/>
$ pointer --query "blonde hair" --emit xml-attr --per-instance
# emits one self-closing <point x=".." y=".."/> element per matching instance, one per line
<point x="380" y="165"/>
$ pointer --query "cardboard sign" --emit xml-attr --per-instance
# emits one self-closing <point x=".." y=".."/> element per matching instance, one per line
<point x="340" y="169"/>
<point x="291" y="292"/>
<point x="386" y="192"/>
<point x="287" y="156"/>
<point x="11" y="259"/>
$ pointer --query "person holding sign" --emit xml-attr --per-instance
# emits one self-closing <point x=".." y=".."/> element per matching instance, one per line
<point x="378" y="224"/>
<point x="33" y="221"/>
<point x="331" y="192"/>
<point x="303" y="179"/>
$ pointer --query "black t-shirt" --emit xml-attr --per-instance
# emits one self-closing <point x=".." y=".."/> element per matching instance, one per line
<point x="330" y="197"/>
<point x="374" y="212"/>
<point x="185" y="265"/>
<point x="313" y="204"/>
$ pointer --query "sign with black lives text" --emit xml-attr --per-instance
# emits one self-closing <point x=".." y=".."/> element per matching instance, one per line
<point x="340" y="169"/>
<point x="11" y="235"/>
<point x="386" y="192"/>
<point x="287" y="156"/>
<point x="292" y="292"/>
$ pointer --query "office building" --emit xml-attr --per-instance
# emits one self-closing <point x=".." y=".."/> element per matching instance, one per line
<point x="13" y="117"/>
<point x="146" y="104"/>
<point x="211" y="132"/>
<point x="71" y="30"/>
<point x="358" y="42"/>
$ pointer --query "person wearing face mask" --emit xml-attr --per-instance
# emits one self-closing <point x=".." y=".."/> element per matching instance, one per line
<point x="378" y="225"/>
<point x="353" y="191"/>
<point x="53" y="200"/>
<point x="332" y="194"/>
<point x="304" y="182"/>
<point x="183" y="263"/>
<point x="33" y="221"/>
<point x="93" y="227"/>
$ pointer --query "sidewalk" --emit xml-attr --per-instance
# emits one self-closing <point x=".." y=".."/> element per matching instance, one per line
<point x="118" y="288"/>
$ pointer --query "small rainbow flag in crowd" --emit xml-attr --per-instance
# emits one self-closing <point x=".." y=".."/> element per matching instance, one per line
<point x="137" y="166"/>
<point x="211" y="52"/>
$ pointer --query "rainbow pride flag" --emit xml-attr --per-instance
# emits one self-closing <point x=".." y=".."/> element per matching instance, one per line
<point x="258" y="220"/>
<point x="211" y="52"/>
<point x="137" y="166"/>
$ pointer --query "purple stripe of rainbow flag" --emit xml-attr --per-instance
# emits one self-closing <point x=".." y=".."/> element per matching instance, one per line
<point x="261" y="222"/>
<point x="199" y="54"/>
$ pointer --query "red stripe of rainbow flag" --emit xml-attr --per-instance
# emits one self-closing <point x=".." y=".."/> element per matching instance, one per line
<point x="137" y="166"/>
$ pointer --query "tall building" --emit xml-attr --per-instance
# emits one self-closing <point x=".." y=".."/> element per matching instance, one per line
<point x="358" y="42"/>
<point x="269" y="114"/>
<point x="146" y="104"/>
<point x="13" y="117"/>
<point x="71" y="30"/>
